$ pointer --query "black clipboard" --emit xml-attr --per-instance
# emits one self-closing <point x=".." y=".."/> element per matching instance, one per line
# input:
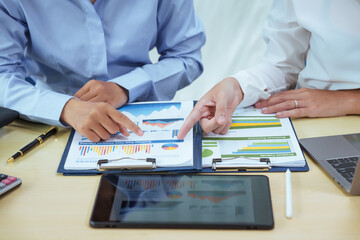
<point x="196" y="167"/>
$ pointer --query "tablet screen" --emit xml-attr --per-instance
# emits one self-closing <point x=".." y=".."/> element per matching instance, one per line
<point x="183" y="201"/>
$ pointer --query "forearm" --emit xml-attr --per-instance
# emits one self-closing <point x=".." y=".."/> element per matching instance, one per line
<point x="159" y="81"/>
<point x="350" y="100"/>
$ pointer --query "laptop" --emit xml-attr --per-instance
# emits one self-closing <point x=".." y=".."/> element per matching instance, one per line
<point x="339" y="156"/>
<point x="7" y="116"/>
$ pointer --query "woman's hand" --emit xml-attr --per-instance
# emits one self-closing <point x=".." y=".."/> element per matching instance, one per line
<point x="215" y="108"/>
<point x="307" y="102"/>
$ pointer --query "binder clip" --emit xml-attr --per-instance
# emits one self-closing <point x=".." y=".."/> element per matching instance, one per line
<point x="265" y="164"/>
<point x="149" y="163"/>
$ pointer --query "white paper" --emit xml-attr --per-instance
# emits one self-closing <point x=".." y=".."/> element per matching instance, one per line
<point x="160" y="122"/>
<point x="210" y="150"/>
<point x="254" y="135"/>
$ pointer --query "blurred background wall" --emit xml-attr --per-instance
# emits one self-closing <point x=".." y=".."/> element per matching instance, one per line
<point x="234" y="40"/>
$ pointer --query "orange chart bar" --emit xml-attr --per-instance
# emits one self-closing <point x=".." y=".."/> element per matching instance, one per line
<point x="132" y="149"/>
<point x="97" y="150"/>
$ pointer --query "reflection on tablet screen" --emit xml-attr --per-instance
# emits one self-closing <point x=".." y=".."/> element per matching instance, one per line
<point x="182" y="199"/>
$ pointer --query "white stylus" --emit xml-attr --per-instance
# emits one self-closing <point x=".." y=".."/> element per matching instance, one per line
<point x="289" y="210"/>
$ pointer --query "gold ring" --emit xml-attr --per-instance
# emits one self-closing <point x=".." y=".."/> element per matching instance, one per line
<point x="296" y="104"/>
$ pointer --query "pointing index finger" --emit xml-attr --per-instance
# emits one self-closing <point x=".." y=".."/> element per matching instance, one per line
<point x="123" y="120"/>
<point x="189" y="122"/>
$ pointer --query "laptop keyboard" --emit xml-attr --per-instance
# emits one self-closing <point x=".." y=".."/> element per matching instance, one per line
<point x="345" y="166"/>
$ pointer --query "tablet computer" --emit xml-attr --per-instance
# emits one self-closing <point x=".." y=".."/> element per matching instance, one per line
<point x="183" y="201"/>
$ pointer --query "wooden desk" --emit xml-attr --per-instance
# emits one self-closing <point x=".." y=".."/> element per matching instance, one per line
<point x="51" y="206"/>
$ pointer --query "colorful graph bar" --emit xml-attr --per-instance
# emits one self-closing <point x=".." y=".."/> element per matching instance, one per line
<point x="174" y="133"/>
<point x="103" y="150"/>
<point x="261" y="148"/>
<point x="98" y="150"/>
<point x="132" y="149"/>
<point x="238" y="123"/>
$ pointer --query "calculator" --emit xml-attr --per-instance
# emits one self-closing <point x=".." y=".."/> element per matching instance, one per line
<point x="8" y="182"/>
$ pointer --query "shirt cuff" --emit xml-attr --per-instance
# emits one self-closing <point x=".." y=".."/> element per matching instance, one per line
<point x="50" y="107"/>
<point x="253" y="90"/>
<point x="137" y="82"/>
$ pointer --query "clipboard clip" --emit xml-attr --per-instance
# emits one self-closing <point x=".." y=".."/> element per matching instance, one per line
<point x="265" y="164"/>
<point x="149" y="163"/>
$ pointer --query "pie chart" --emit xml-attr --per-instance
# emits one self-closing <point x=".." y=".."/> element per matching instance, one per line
<point x="170" y="146"/>
<point x="207" y="153"/>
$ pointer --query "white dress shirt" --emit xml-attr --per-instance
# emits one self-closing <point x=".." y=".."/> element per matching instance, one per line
<point x="310" y="43"/>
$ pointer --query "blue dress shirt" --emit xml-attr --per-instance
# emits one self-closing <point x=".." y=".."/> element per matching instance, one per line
<point x="63" y="44"/>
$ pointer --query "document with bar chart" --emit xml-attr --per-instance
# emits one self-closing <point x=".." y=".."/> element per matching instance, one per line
<point x="252" y="136"/>
<point x="160" y="122"/>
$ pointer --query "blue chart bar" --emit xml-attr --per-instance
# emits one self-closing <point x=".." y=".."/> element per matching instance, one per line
<point x="175" y="133"/>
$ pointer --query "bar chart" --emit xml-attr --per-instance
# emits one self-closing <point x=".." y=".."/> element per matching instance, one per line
<point x="240" y="122"/>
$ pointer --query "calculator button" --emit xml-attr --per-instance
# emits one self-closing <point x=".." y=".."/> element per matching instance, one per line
<point x="6" y="181"/>
<point x="12" y="179"/>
